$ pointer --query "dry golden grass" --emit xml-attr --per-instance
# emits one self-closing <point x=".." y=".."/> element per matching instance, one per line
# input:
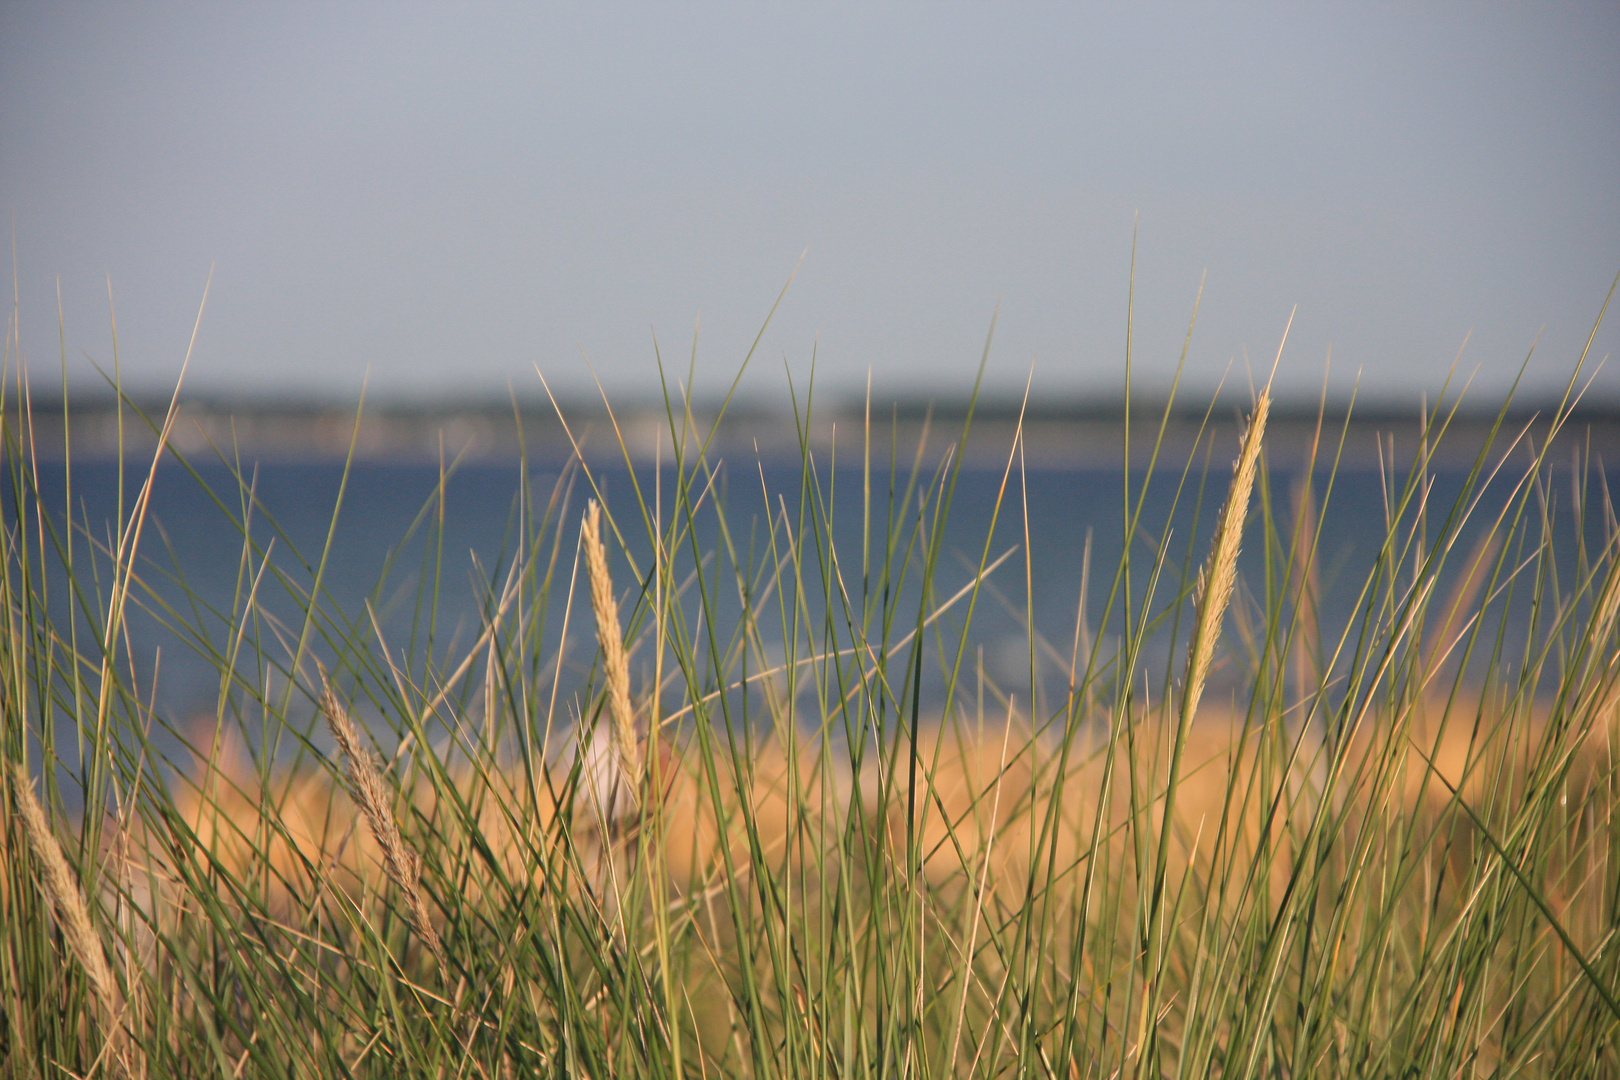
<point x="779" y="799"/>
<point x="302" y="833"/>
<point x="286" y="839"/>
<point x="1438" y="772"/>
<point x="990" y="803"/>
<point x="995" y="806"/>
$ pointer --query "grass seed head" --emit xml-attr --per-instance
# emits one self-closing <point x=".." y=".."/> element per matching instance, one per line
<point x="404" y="865"/>
<point x="615" y="662"/>
<point x="73" y="912"/>
<point x="1220" y="571"/>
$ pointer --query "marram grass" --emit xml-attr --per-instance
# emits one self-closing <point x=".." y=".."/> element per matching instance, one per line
<point x="783" y="826"/>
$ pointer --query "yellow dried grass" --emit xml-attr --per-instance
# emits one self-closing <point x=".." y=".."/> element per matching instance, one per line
<point x="995" y="805"/>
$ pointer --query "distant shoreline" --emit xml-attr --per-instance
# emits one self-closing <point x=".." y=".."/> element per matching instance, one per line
<point x="1056" y="434"/>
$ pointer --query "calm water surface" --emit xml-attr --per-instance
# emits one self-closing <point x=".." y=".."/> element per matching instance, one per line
<point x="191" y="559"/>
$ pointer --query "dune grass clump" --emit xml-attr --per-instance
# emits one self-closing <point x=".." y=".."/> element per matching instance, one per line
<point x="763" y="810"/>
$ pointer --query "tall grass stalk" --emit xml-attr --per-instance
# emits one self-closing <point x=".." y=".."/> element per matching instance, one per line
<point x="1210" y="600"/>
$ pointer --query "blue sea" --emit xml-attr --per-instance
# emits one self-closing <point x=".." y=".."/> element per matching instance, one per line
<point x="385" y="548"/>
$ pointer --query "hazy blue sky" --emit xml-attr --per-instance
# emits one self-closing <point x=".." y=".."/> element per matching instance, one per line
<point x="452" y="194"/>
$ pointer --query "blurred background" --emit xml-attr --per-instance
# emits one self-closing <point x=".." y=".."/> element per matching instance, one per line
<point x="449" y="196"/>
<point x="435" y="201"/>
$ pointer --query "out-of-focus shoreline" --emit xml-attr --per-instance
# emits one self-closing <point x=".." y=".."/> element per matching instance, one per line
<point x="1055" y="435"/>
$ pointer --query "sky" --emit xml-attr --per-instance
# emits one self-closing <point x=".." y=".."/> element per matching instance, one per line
<point x="439" y="200"/>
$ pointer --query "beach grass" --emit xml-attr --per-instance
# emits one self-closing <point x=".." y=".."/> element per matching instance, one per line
<point x="713" y="791"/>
